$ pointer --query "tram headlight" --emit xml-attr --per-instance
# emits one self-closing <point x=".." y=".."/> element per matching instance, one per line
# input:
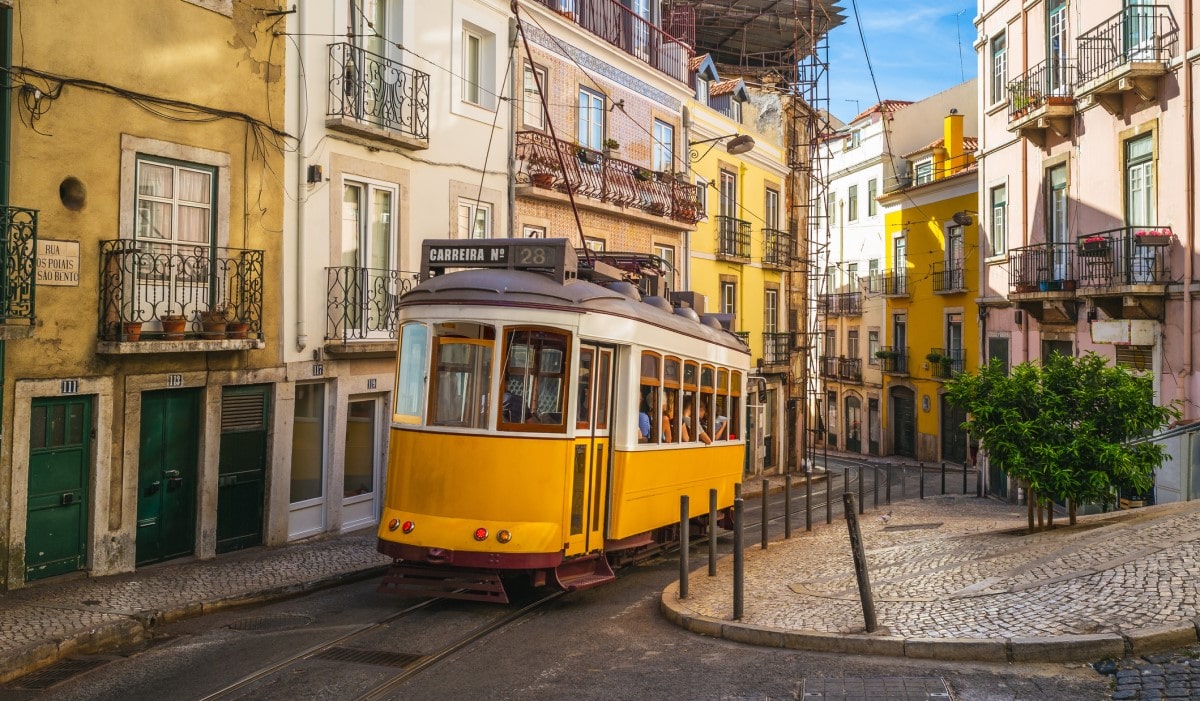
<point x="503" y="536"/>
<point x="408" y="526"/>
<point x="394" y="524"/>
<point x="481" y="534"/>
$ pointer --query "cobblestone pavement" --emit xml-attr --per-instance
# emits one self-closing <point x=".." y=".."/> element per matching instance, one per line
<point x="960" y="568"/>
<point x="1173" y="675"/>
<point x="42" y="622"/>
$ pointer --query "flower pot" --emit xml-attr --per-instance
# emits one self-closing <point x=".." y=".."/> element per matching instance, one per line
<point x="173" y="326"/>
<point x="1153" y="240"/>
<point x="212" y="328"/>
<point x="131" y="331"/>
<point x="542" y="180"/>
<point x="237" y="329"/>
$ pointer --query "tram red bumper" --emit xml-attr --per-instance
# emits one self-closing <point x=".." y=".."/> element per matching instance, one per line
<point x="464" y="558"/>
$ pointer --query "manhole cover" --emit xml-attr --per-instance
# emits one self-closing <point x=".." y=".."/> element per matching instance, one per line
<point x="272" y="621"/>
<point x="381" y="658"/>
<point x="58" y="672"/>
<point x="876" y="688"/>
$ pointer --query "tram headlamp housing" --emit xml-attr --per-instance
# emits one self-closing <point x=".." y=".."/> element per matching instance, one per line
<point x="393" y="524"/>
<point x="503" y="536"/>
<point x="481" y="534"/>
<point x="408" y="526"/>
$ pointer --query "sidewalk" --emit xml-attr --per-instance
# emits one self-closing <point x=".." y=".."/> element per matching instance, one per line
<point x="956" y="578"/>
<point x="45" y="622"/>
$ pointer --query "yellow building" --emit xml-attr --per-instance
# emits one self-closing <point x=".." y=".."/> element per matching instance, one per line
<point x="137" y="411"/>
<point x="930" y="288"/>
<point x="741" y="251"/>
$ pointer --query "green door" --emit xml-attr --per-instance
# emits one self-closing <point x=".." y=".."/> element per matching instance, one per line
<point x="59" y="451"/>
<point x="242" y="468"/>
<point x="904" y="422"/>
<point x="167" y="460"/>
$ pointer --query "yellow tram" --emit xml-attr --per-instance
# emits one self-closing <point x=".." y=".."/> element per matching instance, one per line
<point x="546" y="424"/>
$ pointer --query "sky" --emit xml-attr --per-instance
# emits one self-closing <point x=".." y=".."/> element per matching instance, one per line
<point x="914" y="46"/>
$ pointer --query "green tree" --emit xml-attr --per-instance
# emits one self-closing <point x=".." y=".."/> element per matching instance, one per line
<point x="1064" y="428"/>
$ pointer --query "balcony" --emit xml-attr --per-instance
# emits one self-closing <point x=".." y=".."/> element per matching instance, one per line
<point x="777" y="347"/>
<point x="595" y="176"/>
<point x="945" y="363"/>
<point x="170" y="298"/>
<point x="1042" y="98"/>
<point x="733" y="239"/>
<point x="777" y="249"/>
<point x="849" y="369"/>
<point x="376" y="99"/>
<point x="1126" y="53"/>
<point x="360" y="309"/>
<point x="889" y="283"/>
<point x="893" y="360"/>
<point x="1126" y="271"/>
<point x="843" y="304"/>
<point x="626" y="30"/>
<point x="829" y="366"/>
<point x="948" y="277"/>
<point x="18" y="272"/>
<point x="1043" y="280"/>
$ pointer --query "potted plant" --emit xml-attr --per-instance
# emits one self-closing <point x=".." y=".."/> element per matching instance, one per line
<point x="643" y="174"/>
<point x="933" y="357"/>
<point x="131" y="331"/>
<point x="611" y="147"/>
<point x="237" y="328"/>
<point x="212" y="323"/>
<point x="173" y="325"/>
<point x="1152" y="237"/>
<point x="1093" y="246"/>
<point x="657" y="208"/>
<point x="542" y="169"/>
<point x="886" y="354"/>
<point x="947" y="363"/>
<point x="587" y="156"/>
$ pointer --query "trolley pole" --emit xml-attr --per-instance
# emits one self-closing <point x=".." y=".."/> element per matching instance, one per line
<point x="860" y="564"/>
<point x="712" y="533"/>
<point x="683" y="546"/>
<point x="739" y="558"/>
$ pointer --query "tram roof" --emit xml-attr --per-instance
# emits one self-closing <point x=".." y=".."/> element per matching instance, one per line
<point x="492" y="287"/>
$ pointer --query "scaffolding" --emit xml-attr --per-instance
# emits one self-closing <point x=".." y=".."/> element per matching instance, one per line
<point x="783" y="45"/>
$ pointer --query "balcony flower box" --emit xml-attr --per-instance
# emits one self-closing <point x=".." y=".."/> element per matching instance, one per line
<point x="1153" y="237"/>
<point x="1094" y="247"/>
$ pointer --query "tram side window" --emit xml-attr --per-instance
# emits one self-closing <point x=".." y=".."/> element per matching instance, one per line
<point x="723" y="430"/>
<point x="735" y="405"/>
<point x="462" y="375"/>
<point x="410" y="373"/>
<point x="533" y="384"/>
<point x="649" y="417"/>
<point x="706" y="410"/>
<point x="690" y="411"/>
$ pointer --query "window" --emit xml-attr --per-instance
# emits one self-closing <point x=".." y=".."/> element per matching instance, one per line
<point x="852" y="276"/>
<point x="368" y="249"/>
<point x="410" y="373"/>
<point x="1135" y="357"/>
<point x="664" y="147"/>
<point x="852" y="342"/>
<point x="667" y="253"/>
<point x="872" y="347"/>
<point x="533" y="232"/>
<point x="923" y="172"/>
<point x="831" y="205"/>
<point x="771" y="311"/>
<point x="1057" y="47"/>
<point x="855" y="139"/>
<point x="872" y="193"/>
<point x="474" y="219"/>
<point x="1139" y="181"/>
<point x="174" y="204"/>
<point x="771" y="209"/>
<point x="852" y="203"/>
<point x="1056" y="204"/>
<point x="900" y="255"/>
<point x="735" y="110"/>
<point x="954" y="251"/>
<point x="998" y="350"/>
<point x="649" y="399"/>
<point x="954" y="337"/>
<point x="702" y="196"/>
<point x="872" y="274"/>
<point x="728" y="194"/>
<point x="999" y="68"/>
<point x="478" y="69"/>
<point x="591" y="119"/>
<point x="308" y="443"/>
<point x="594" y="244"/>
<point x="533" y="386"/>
<point x="728" y="297"/>
<point x="830" y="342"/>
<point x="701" y="90"/>
<point x="999" y="204"/>
<point x="532" y="113"/>
<point x="462" y="375"/>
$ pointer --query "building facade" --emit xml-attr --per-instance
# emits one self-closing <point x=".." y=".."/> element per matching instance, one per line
<point x="1087" y="186"/>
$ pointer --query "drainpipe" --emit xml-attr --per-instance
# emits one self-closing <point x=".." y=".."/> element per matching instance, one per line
<point x="1024" y="181"/>
<point x="518" y="79"/>
<point x="301" y="185"/>
<point x="1185" y="372"/>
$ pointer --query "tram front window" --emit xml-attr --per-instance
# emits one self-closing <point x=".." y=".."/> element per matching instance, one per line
<point x="535" y="362"/>
<point x="462" y="375"/>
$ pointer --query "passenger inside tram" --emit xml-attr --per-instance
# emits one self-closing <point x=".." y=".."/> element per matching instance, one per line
<point x="687" y="422"/>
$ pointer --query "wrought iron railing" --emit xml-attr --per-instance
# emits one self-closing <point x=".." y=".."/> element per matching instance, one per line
<point x="1136" y="34"/>
<point x="777" y="347"/>
<point x="777" y="248"/>
<point x="945" y="363"/>
<point x="591" y="174"/>
<point x="376" y="90"/>
<point x="147" y="287"/>
<point x="360" y="303"/>
<point x="843" y="304"/>
<point x="733" y="237"/>
<point x="1049" y="82"/>
<point x="850" y="369"/>
<point x="1130" y="255"/>
<point x="829" y="366"/>
<point x="1042" y="267"/>
<point x="890" y="283"/>
<point x="618" y="25"/>
<point x="18" y="263"/>
<point x="948" y="276"/>
<point x="893" y="359"/>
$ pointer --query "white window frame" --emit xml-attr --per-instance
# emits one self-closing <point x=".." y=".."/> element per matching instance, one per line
<point x="478" y="90"/>
<point x="998" y="204"/>
<point x="590" y="128"/>
<point x="770" y="310"/>
<point x="999" y="62"/>
<point x="771" y="208"/>
<point x="872" y="193"/>
<point x="530" y="231"/>
<point x="663" y="153"/>
<point x="595" y="244"/>
<point x="473" y="210"/>
<point x="852" y="204"/>
<point x="533" y="115"/>
<point x="729" y="298"/>
<point x="132" y="146"/>
<point x="667" y="253"/>
<point x="923" y="172"/>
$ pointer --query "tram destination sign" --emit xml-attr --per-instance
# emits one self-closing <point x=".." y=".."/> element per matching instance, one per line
<point x="555" y="255"/>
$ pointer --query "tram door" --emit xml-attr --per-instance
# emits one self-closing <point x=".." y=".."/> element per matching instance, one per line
<point x="589" y="474"/>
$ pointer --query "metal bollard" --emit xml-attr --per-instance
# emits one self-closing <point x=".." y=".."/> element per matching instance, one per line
<point x="875" y="485"/>
<point x="684" y="546"/>
<point x="808" y="499"/>
<point x="739" y="558"/>
<point x="903" y="481"/>
<point x="922" y="468"/>
<point x="737" y="490"/>
<point x="787" y="507"/>
<point x="766" y="486"/>
<point x="860" y="565"/>
<point x="889" y="482"/>
<point x="861" y="486"/>
<point x="712" y="533"/>
<point x="964" y="479"/>
<point x="828" y="496"/>
<point x="943" y="478"/>
<point x="978" y="482"/>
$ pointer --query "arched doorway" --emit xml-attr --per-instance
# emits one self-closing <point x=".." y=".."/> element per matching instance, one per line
<point x="853" y="424"/>
<point x="904" y="422"/>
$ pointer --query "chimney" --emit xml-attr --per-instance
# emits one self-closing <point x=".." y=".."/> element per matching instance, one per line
<point x="952" y="133"/>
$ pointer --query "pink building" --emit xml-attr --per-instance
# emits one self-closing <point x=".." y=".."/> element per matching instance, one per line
<point x="1087" y="185"/>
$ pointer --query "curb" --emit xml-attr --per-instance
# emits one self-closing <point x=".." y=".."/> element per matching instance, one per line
<point x="1056" y="648"/>
<point x="136" y="627"/>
